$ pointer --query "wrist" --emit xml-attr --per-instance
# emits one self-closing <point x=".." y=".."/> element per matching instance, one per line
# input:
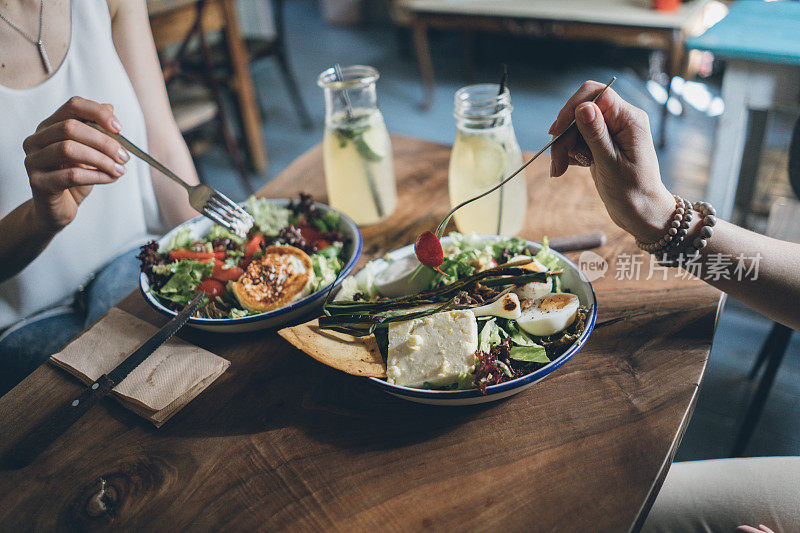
<point x="41" y="225"/>
<point x="653" y="217"/>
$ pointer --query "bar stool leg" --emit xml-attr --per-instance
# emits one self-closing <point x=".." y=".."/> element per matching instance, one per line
<point x="781" y="341"/>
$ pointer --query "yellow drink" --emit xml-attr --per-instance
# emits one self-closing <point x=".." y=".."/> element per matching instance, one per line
<point x="359" y="173"/>
<point x="480" y="159"/>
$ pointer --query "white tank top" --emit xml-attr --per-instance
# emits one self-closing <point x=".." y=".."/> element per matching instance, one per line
<point x="114" y="217"/>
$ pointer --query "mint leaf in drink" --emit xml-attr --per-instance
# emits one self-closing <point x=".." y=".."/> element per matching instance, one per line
<point x="364" y="149"/>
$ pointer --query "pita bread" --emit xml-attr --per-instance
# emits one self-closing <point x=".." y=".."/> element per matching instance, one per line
<point x="358" y="356"/>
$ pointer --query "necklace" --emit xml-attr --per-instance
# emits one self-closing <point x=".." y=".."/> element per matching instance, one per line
<point x="37" y="41"/>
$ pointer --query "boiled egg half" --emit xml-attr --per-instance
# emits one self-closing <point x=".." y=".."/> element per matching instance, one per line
<point x="549" y="315"/>
<point x="534" y="289"/>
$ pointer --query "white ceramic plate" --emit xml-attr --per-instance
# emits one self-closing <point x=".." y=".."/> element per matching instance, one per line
<point x="200" y="227"/>
<point x="571" y="279"/>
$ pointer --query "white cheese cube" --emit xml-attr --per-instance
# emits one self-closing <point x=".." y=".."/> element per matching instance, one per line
<point x="434" y="349"/>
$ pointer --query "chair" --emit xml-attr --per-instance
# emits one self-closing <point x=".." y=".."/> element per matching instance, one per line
<point x="264" y="35"/>
<point x="784" y="224"/>
<point x="195" y="95"/>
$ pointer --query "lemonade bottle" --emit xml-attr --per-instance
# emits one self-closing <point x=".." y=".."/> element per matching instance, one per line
<point x="357" y="151"/>
<point x="485" y="152"/>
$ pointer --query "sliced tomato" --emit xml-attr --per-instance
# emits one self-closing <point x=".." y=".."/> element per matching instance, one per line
<point x="313" y="236"/>
<point x="226" y="274"/>
<point x="310" y="234"/>
<point x="253" y="245"/>
<point x="182" y="253"/>
<point x="212" y="287"/>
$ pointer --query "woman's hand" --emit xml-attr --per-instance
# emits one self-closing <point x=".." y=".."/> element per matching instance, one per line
<point x="66" y="157"/>
<point x="613" y="138"/>
<point x="750" y="529"/>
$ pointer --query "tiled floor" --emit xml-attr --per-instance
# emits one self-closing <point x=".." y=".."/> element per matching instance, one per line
<point x="543" y="75"/>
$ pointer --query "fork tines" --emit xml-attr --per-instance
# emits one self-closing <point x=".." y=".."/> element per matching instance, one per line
<point x="228" y="214"/>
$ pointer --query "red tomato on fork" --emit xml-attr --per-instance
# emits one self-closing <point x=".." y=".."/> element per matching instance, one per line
<point x="429" y="250"/>
<point x="214" y="288"/>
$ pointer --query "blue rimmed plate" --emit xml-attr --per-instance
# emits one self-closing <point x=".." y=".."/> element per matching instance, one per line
<point x="571" y="280"/>
<point x="200" y="227"/>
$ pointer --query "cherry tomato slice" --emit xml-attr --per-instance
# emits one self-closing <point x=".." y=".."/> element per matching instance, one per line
<point x="182" y="253"/>
<point x="212" y="287"/>
<point x="309" y="233"/>
<point x="226" y="274"/>
<point x="253" y="245"/>
<point x="429" y="250"/>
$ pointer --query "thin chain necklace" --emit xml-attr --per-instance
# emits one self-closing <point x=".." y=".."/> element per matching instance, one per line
<point x="37" y="41"/>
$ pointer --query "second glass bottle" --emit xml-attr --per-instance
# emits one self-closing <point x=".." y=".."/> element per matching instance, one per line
<point x="485" y="152"/>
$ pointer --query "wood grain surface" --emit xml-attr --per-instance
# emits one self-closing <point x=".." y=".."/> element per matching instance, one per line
<point x="281" y="441"/>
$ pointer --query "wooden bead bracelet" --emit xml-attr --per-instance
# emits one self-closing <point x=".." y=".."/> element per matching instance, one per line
<point x="708" y="215"/>
<point x="676" y="233"/>
<point x="667" y="248"/>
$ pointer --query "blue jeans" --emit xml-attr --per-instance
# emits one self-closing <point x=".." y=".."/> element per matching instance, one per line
<point x="29" y="343"/>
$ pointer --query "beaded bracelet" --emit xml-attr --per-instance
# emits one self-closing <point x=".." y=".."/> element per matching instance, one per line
<point x="708" y="215"/>
<point x="676" y="233"/>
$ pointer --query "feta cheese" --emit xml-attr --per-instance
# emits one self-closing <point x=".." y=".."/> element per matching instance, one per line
<point x="435" y="349"/>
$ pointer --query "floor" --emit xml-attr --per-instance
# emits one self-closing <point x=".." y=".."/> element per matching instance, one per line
<point x="542" y="76"/>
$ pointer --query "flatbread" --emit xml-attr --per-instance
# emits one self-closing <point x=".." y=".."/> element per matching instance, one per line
<point x="359" y="356"/>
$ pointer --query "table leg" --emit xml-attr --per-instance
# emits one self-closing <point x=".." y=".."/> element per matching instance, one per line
<point x="424" y="60"/>
<point x="245" y="92"/>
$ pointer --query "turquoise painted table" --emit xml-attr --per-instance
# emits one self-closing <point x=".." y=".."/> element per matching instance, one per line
<point x="761" y="43"/>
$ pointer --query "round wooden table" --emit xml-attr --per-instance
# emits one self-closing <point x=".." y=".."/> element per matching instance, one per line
<point x="283" y="442"/>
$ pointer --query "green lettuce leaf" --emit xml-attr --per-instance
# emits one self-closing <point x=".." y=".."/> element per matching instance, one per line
<point x="218" y="232"/>
<point x="239" y="313"/>
<point x="325" y="270"/>
<point x="466" y="380"/>
<point x="187" y="274"/>
<point x="518" y="336"/>
<point x="546" y="257"/>
<point x="182" y="239"/>
<point x="530" y="354"/>
<point x="269" y="217"/>
<point x="490" y="335"/>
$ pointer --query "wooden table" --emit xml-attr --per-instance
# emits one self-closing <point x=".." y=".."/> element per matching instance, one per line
<point x="281" y="441"/>
<point x="761" y="46"/>
<point x="171" y="21"/>
<point x="622" y="22"/>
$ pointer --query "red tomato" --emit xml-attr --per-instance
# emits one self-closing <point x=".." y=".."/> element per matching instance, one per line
<point x="429" y="250"/>
<point x="212" y="287"/>
<point x="254" y="245"/>
<point x="310" y="234"/>
<point x="226" y="274"/>
<point x="182" y="253"/>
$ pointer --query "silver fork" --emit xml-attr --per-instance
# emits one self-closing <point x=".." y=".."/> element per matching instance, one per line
<point x="207" y="201"/>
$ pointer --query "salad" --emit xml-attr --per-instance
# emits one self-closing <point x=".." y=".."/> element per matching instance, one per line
<point x="493" y="313"/>
<point x="289" y="253"/>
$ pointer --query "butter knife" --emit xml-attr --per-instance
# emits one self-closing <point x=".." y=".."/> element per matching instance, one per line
<point x="46" y="432"/>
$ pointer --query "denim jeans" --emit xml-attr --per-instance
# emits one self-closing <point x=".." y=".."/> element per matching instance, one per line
<point x="30" y="342"/>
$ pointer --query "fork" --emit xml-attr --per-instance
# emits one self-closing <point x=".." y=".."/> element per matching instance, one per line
<point x="205" y="200"/>
<point x="443" y="224"/>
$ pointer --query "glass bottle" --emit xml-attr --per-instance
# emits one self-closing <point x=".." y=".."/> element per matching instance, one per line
<point x="484" y="153"/>
<point x="357" y="151"/>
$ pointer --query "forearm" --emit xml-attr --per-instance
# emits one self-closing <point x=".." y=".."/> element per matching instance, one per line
<point x="134" y="43"/>
<point x="169" y="148"/>
<point x="23" y="239"/>
<point x="762" y="272"/>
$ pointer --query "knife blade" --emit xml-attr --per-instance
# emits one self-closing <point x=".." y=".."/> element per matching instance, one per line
<point x="47" y="431"/>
